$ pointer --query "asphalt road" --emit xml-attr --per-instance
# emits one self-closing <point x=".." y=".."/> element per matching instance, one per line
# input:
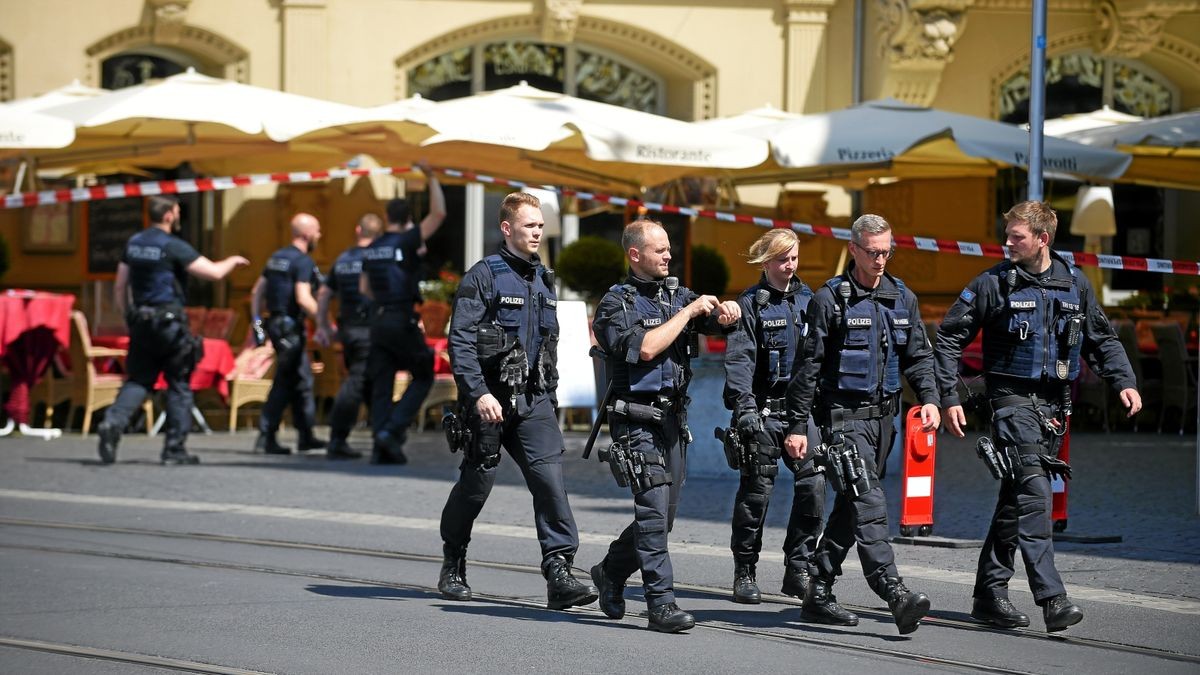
<point x="300" y="565"/>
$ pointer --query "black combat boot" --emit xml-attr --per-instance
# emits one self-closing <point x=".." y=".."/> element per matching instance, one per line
<point x="452" y="582"/>
<point x="795" y="582"/>
<point x="611" y="592"/>
<point x="1060" y="613"/>
<point x="110" y="437"/>
<point x="669" y="618"/>
<point x="562" y="589"/>
<point x="339" y="449"/>
<point x="907" y="607"/>
<point x="998" y="612"/>
<point x="309" y="442"/>
<point x="820" y="606"/>
<point x="267" y="444"/>
<point x="389" y="449"/>
<point x="745" y="589"/>
<point x="177" y="455"/>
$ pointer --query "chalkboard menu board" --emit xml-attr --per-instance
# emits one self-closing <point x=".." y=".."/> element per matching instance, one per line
<point x="110" y="223"/>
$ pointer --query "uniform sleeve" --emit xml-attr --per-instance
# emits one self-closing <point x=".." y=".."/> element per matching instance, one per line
<point x="741" y="352"/>
<point x="332" y="280"/>
<point x="917" y="361"/>
<point x="809" y="360"/>
<point x="303" y="270"/>
<point x="181" y="252"/>
<point x="468" y="311"/>
<point x="410" y="242"/>
<point x="617" y="332"/>
<point x="1101" y="348"/>
<point x="959" y="328"/>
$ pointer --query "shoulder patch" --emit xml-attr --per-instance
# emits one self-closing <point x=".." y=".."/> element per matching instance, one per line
<point x="967" y="295"/>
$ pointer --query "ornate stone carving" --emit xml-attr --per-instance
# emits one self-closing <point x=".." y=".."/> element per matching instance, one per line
<point x="167" y="18"/>
<point x="560" y="19"/>
<point x="1130" y="29"/>
<point x="6" y="71"/>
<point x="916" y="39"/>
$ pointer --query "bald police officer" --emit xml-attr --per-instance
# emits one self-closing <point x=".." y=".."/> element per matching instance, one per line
<point x="286" y="288"/>
<point x="149" y="292"/>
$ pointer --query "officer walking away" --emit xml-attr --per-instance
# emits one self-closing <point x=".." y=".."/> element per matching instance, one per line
<point x="286" y="287"/>
<point x="647" y="329"/>
<point x="758" y="366"/>
<point x="504" y="354"/>
<point x="864" y="331"/>
<point x="149" y="292"/>
<point x="1038" y="316"/>
<point x="391" y="272"/>
<point x="353" y="331"/>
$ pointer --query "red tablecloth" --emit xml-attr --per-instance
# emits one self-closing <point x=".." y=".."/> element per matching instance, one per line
<point x="33" y="326"/>
<point x="441" y="359"/>
<point x="210" y="372"/>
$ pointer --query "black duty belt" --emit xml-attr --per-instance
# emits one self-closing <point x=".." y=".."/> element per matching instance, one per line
<point x="666" y="404"/>
<point x="395" y="308"/>
<point x="774" y="406"/>
<point x="1022" y="399"/>
<point x="869" y="412"/>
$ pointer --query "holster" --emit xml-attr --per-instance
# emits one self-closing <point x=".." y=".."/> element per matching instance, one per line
<point x="285" y="331"/>
<point x="458" y="432"/>
<point x="629" y="467"/>
<point x="846" y="470"/>
<point x="731" y="444"/>
<point x="632" y="411"/>
<point x="483" y="450"/>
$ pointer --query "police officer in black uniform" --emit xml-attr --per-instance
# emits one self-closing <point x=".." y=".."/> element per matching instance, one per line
<point x="758" y="364"/>
<point x="864" y="332"/>
<point x="391" y="272"/>
<point x="1038" y="315"/>
<point x="286" y="287"/>
<point x="353" y="330"/>
<point x="504" y="354"/>
<point x="149" y="292"/>
<point x="646" y="329"/>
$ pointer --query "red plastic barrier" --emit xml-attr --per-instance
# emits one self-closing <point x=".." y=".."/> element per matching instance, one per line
<point x="1059" y="486"/>
<point x="920" y="450"/>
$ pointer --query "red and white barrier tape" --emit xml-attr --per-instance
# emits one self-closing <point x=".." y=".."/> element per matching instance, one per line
<point x="145" y="189"/>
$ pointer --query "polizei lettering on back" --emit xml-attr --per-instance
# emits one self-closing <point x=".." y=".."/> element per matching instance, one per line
<point x="144" y="252"/>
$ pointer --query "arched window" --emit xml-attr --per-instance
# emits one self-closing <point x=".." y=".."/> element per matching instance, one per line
<point x="1081" y="82"/>
<point x="578" y="70"/>
<point x="135" y="66"/>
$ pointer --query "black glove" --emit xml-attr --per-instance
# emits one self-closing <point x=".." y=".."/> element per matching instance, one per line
<point x="749" y="423"/>
<point x="1056" y="467"/>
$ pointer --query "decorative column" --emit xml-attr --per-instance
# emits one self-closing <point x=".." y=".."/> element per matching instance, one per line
<point x="916" y="40"/>
<point x="305" y="47"/>
<point x="805" y="65"/>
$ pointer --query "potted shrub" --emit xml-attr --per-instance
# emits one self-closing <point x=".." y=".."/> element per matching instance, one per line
<point x="590" y="266"/>
<point x="437" y="295"/>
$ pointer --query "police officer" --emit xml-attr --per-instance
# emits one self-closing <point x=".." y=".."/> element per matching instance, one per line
<point x="149" y="292"/>
<point x="864" y="331"/>
<point x="1038" y="316"/>
<point x="504" y="354"/>
<point x="286" y="287"/>
<point x="354" y="332"/>
<point x="645" y="328"/>
<point x="391" y="272"/>
<point x="758" y="366"/>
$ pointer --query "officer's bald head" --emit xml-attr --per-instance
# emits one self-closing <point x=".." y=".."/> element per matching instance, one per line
<point x="305" y="225"/>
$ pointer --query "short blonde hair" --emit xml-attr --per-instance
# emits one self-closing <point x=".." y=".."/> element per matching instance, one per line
<point x="1037" y="215"/>
<point x="513" y="203"/>
<point x="772" y="245"/>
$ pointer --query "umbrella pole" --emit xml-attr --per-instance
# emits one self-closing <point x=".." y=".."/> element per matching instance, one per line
<point x="1037" y="100"/>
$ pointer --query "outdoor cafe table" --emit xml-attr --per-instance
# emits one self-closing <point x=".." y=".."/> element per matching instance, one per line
<point x="33" y="326"/>
<point x="210" y="373"/>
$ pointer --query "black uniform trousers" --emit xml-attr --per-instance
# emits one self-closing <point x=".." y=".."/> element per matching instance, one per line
<point x="293" y="383"/>
<point x="643" y="543"/>
<point x="535" y="444"/>
<point x="165" y="346"/>
<point x="356" y="348"/>
<point x="754" y="496"/>
<point x="861" y="520"/>
<point x="397" y="343"/>
<point x="1023" y="513"/>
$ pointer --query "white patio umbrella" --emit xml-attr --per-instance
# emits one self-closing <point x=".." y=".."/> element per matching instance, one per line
<point x="892" y="139"/>
<point x="1060" y="127"/>
<point x="75" y="91"/>
<point x="536" y="135"/>
<point x="191" y="117"/>
<point x="28" y="130"/>
<point x="1165" y="150"/>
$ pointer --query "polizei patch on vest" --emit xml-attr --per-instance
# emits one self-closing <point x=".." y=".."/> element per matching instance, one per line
<point x="1022" y="304"/>
<point x="651" y="322"/>
<point x="859" y="321"/>
<point x="512" y="301"/>
<point x="774" y="323"/>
